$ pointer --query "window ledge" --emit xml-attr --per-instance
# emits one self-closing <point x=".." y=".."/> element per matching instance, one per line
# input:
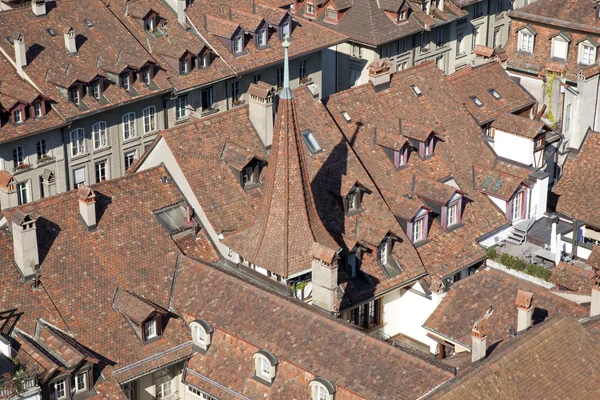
<point x="209" y="111"/>
<point x="79" y="156"/>
<point x="131" y="140"/>
<point x="421" y="243"/>
<point x="454" y="227"/>
<point x="102" y="150"/>
<point x="151" y="132"/>
<point x="461" y="55"/>
<point x="182" y="120"/>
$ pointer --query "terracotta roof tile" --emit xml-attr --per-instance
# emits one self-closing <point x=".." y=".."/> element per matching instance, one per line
<point x="573" y="278"/>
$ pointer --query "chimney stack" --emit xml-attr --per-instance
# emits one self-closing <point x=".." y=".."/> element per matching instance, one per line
<point x="181" y="18"/>
<point x="479" y="339"/>
<point x="25" y="246"/>
<point x="38" y="7"/>
<point x="261" y="110"/>
<point x="595" y="305"/>
<point x="87" y="207"/>
<point x="324" y="277"/>
<point x="524" y="309"/>
<point x="70" y="44"/>
<point x="380" y="72"/>
<point x="20" y="53"/>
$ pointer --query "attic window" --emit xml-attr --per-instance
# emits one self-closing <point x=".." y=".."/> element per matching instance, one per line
<point x="310" y="9"/>
<point x="237" y="44"/>
<point x="311" y="141"/>
<point x="476" y="100"/>
<point x="402" y="15"/>
<point x="346" y="116"/>
<point x="265" y="366"/>
<point x="88" y="23"/>
<point x="332" y="14"/>
<point x="51" y="32"/>
<point x="495" y="94"/>
<point x="201" y="334"/>
<point x="175" y="218"/>
<point x="150" y="329"/>
<point x="416" y="89"/>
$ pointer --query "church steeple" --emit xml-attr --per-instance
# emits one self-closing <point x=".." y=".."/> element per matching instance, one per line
<point x="282" y="236"/>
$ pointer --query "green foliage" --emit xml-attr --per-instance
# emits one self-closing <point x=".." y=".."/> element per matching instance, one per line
<point x="519" y="264"/>
<point x="492" y="253"/>
<point x="538" y="271"/>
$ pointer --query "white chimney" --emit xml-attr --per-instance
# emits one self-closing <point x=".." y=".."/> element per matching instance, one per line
<point x="70" y="44"/>
<point x="87" y="206"/>
<point x="595" y="305"/>
<point x="324" y="278"/>
<point x="181" y="12"/>
<point x="25" y="246"/>
<point x="261" y="110"/>
<point x="524" y="309"/>
<point x="20" y="53"/>
<point x="380" y="72"/>
<point x="479" y="339"/>
<point x="38" y="7"/>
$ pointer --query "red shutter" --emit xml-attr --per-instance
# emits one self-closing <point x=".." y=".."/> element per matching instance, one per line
<point x="444" y="217"/>
<point x="509" y="207"/>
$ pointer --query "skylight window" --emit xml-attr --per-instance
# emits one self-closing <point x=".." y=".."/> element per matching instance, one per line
<point x="346" y="116"/>
<point x="477" y="101"/>
<point x="88" y="23"/>
<point x="175" y="218"/>
<point x="416" y="89"/>
<point x="311" y="141"/>
<point x="51" y="32"/>
<point x="495" y="94"/>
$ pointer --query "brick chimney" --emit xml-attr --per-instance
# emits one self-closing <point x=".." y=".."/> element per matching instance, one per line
<point x="524" y="309"/>
<point x="180" y="5"/>
<point x="38" y="7"/>
<point x="70" y="44"/>
<point x="324" y="277"/>
<point x="595" y="305"/>
<point x="87" y="207"/>
<point x="20" y="53"/>
<point x="25" y="245"/>
<point x="380" y="72"/>
<point x="261" y="96"/>
<point x="479" y="339"/>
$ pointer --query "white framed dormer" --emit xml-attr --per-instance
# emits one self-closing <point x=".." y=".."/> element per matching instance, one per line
<point x="526" y="39"/>
<point x="560" y="47"/>
<point x="322" y="389"/>
<point x="201" y="335"/>
<point x="418" y="226"/>
<point x="587" y="50"/>
<point x="265" y="367"/>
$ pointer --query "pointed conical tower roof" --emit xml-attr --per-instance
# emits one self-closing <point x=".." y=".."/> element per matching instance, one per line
<point x="282" y="236"/>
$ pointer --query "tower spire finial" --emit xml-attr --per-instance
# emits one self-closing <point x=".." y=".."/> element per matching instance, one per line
<point x="286" y="93"/>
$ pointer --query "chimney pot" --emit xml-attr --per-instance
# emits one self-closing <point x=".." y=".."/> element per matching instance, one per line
<point x="324" y="277"/>
<point x="38" y="7"/>
<point x="479" y="339"/>
<point x="181" y="18"/>
<point x="20" y="53"/>
<point x="70" y="44"/>
<point x="524" y="309"/>
<point x="260" y="99"/>
<point x="87" y="207"/>
<point x="380" y="72"/>
<point x="25" y="245"/>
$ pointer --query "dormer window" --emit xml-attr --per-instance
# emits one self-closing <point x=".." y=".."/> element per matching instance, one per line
<point x="587" y="53"/>
<point x="383" y="251"/>
<point x="147" y="75"/>
<point x="238" y="44"/>
<point x="265" y="366"/>
<point x="310" y="9"/>
<point x="74" y="94"/>
<point x="402" y="15"/>
<point x="322" y="389"/>
<point x="526" y="40"/>
<point x="494" y="93"/>
<point x="452" y="214"/>
<point x="150" y="23"/>
<point x="476" y="100"/>
<point x="262" y="38"/>
<point x="18" y="116"/>
<point x="250" y="174"/>
<point x="126" y="81"/>
<point x="201" y="335"/>
<point x="400" y="157"/>
<point x="285" y="30"/>
<point x="79" y="382"/>
<point x="204" y="60"/>
<point x="150" y="329"/>
<point x="418" y="231"/>
<point x="332" y="14"/>
<point x="560" y="47"/>
<point x="97" y="89"/>
<point x="38" y="110"/>
<point x="184" y="65"/>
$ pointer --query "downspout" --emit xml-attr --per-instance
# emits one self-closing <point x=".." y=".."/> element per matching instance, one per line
<point x="575" y="240"/>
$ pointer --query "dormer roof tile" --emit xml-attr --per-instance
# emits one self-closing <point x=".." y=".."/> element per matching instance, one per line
<point x="134" y="307"/>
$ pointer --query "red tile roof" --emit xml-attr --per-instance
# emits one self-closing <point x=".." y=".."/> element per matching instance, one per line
<point x="519" y="126"/>
<point x="573" y="278"/>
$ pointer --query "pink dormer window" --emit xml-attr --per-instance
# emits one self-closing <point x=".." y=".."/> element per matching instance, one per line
<point x="400" y="157"/>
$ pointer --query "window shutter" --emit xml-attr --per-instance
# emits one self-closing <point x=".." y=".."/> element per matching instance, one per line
<point x="409" y="230"/>
<point x="444" y="217"/>
<point x="459" y="206"/>
<point x="425" y="226"/>
<point x="421" y="150"/>
<point x="509" y="207"/>
<point x="158" y="326"/>
<point x="524" y="204"/>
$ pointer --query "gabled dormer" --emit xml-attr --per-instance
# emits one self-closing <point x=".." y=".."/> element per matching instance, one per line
<point x="559" y="48"/>
<point x="205" y="58"/>
<point x="286" y="27"/>
<point x="353" y="193"/>
<point x="385" y="256"/>
<point x="150" y="21"/>
<point x="422" y="138"/>
<point x="587" y="50"/>
<point x="444" y="200"/>
<point x="147" y="74"/>
<point x="245" y="165"/>
<point x="145" y="318"/>
<point x="396" y="147"/>
<point x="76" y="92"/>
<point x="126" y="79"/>
<point x="186" y="63"/>
<point x="335" y="10"/>
<point x="414" y="217"/>
<point x="398" y="12"/>
<point x="262" y="35"/>
<point x="96" y="89"/>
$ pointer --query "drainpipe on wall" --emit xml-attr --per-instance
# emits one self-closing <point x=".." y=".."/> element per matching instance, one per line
<point x="575" y="240"/>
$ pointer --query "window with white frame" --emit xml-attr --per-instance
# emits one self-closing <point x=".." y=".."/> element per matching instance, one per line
<point x="452" y="214"/>
<point x="418" y="230"/>
<point x="128" y="126"/>
<point x="560" y="47"/>
<point x="74" y="92"/>
<point x="199" y="334"/>
<point x="588" y="54"/>
<point x="262" y="37"/>
<point x="517" y="205"/>
<point x="496" y="40"/>
<point x="319" y="391"/>
<point x="59" y="390"/>
<point x="78" y="177"/>
<point x="79" y="382"/>
<point x="164" y="387"/>
<point x="96" y="89"/>
<point x="331" y="14"/>
<point x="285" y="30"/>
<point x="37" y="109"/>
<point x="129" y="159"/>
<point x="265" y="367"/>
<point x="204" y="60"/>
<point x="42" y="149"/>
<point x="323" y="394"/>
<point x="18" y="116"/>
<point x="77" y="139"/>
<point x="181" y="107"/>
<point x="237" y="44"/>
<point x="200" y="394"/>
<point x="149" y="115"/>
<point x="382" y="252"/>
<point x="460" y="44"/>
<point x="101" y="172"/>
<point x="310" y="8"/>
<point x="476" y="35"/>
<point x="126" y="81"/>
<point x="22" y="193"/>
<point x="303" y="70"/>
<point x="99" y="135"/>
<point x="150" y="329"/>
<point x="18" y="157"/>
<point x="184" y="66"/>
<point x="525" y="41"/>
<point x="146" y="77"/>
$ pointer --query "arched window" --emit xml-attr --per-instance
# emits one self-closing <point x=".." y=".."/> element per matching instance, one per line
<point x="322" y="389"/>
<point x="201" y="334"/>
<point x="265" y="365"/>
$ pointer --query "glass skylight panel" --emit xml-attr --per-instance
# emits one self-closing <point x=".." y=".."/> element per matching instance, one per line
<point x="494" y="93"/>
<point x="311" y="141"/>
<point x="173" y="218"/>
<point x="476" y="100"/>
<point x="346" y="116"/>
<point x="416" y="89"/>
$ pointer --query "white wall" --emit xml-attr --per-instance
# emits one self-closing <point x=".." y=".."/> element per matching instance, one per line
<point x="329" y="71"/>
<point x="491" y="241"/>
<point x="539" y="198"/>
<point x="535" y="86"/>
<point x="405" y="312"/>
<point x="513" y="147"/>
<point x="161" y="153"/>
